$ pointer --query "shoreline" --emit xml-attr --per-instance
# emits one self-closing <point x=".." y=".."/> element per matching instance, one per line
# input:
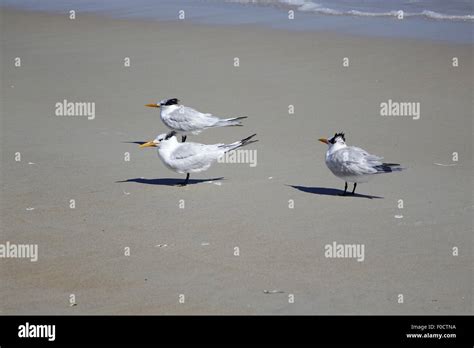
<point x="337" y="33"/>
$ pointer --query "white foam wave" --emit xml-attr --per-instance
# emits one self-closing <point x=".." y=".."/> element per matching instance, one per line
<point x="436" y="15"/>
<point x="374" y="14"/>
<point x="310" y="6"/>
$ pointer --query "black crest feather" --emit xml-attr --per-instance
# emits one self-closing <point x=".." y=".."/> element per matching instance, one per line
<point x="172" y="101"/>
<point x="170" y="134"/>
<point x="337" y="135"/>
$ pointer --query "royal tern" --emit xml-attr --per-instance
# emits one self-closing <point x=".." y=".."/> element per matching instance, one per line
<point x="353" y="164"/>
<point x="186" y="158"/>
<point x="184" y="120"/>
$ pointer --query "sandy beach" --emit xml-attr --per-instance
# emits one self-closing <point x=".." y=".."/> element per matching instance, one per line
<point x="280" y="214"/>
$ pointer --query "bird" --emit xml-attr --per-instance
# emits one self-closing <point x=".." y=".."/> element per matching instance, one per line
<point x="186" y="158"/>
<point x="184" y="120"/>
<point x="353" y="164"/>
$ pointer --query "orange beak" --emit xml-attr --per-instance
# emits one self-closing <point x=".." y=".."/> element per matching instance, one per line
<point x="323" y="140"/>
<point x="153" y="105"/>
<point x="148" y="144"/>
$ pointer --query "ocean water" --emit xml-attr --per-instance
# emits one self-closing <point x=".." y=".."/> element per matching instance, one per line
<point x="460" y="10"/>
<point x="438" y="20"/>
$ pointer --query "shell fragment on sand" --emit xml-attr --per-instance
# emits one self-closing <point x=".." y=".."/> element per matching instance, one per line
<point x="273" y="292"/>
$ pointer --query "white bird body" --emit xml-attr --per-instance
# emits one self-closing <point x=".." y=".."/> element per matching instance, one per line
<point x="353" y="164"/>
<point x="184" y="120"/>
<point x="188" y="157"/>
<point x="185" y="158"/>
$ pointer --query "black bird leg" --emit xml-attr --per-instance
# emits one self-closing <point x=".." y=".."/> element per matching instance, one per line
<point x="185" y="181"/>
<point x="183" y="138"/>
<point x="345" y="190"/>
<point x="353" y="190"/>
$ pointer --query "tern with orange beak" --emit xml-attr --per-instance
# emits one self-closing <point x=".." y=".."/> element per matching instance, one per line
<point x="184" y="120"/>
<point x="353" y="164"/>
<point x="186" y="158"/>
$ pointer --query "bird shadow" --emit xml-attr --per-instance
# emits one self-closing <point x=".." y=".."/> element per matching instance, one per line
<point x="325" y="191"/>
<point x="169" y="181"/>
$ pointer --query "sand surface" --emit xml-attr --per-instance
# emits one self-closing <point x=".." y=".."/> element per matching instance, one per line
<point x="134" y="204"/>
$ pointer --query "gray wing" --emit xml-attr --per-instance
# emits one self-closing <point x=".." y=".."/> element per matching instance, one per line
<point x="353" y="161"/>
<point x="192" y="156"/>
<point x="188" y="119"/>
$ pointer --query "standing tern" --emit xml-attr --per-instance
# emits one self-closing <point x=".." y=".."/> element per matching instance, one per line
<point x="190" y="157"/>
<point x="353" y="164"/>
<point x="183" y="119"/>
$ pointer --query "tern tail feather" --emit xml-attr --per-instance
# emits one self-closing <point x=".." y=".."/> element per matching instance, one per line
<point x="230" y="122"/>
<point x="237" y="144"/>
<point x="388" y="168"/>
